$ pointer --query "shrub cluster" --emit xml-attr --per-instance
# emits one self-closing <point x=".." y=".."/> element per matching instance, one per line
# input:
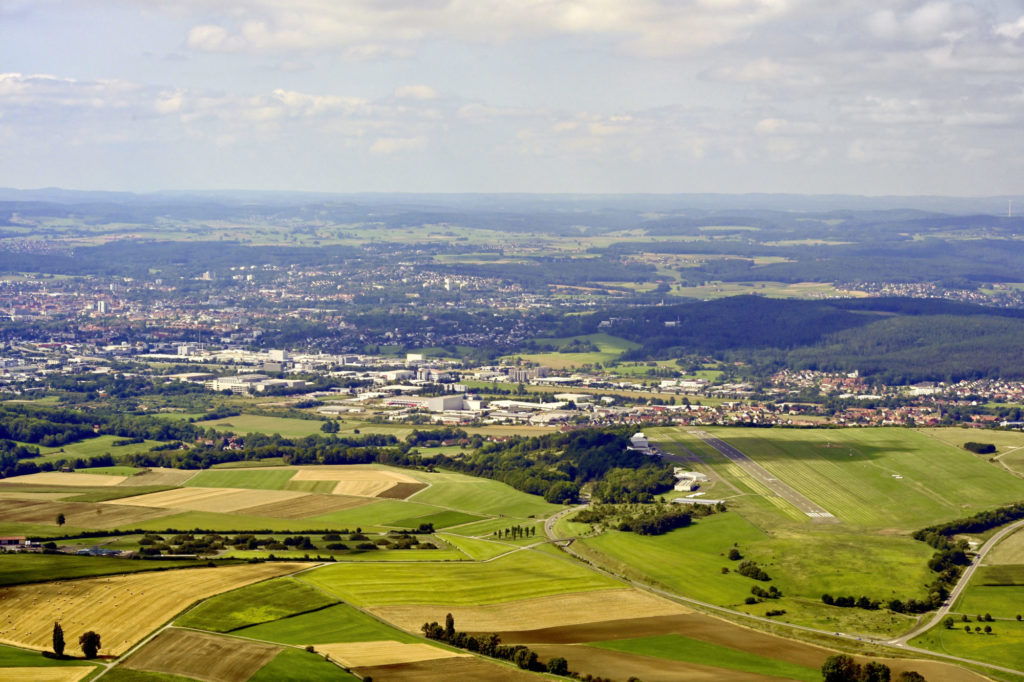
<point x="490" y="645"/>
<point x="750" y="569"/>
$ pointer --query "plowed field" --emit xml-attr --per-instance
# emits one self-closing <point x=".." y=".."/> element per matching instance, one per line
<point x="202" y="656"/>
<point x="306" y="506"/>
<point x="446" y="669"/>
<point x="76" y="514"/>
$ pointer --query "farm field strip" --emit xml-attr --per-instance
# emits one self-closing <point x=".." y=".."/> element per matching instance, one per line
<point x="212" y="499"/>
<point x="386" y="652"/>
<point x="64" y="674"/>
<point x="530" y="614"/>
<point x="123" y="608"/>
<point x="77" y="514"/>
<point x="59" y="479"/>
<point x="519" y="576"/>
<point x="202" y="656"/>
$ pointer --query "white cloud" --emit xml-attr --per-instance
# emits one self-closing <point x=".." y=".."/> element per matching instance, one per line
<point x="415" y="92"/>
<point x="392" y="145"/>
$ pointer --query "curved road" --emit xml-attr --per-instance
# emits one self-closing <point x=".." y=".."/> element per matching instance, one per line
<point x="961" y="585"/>
<point x="899" y="644"/>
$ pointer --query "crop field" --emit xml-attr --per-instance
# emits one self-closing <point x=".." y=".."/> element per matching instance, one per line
<point x="441" y="519"/>
<point x="481" y="496"/>
<point x="223" y="500"/>
<point x="226" y="522"/>
<point x="58" y="479"/>
<point x="260" y="603"/>
<point x="363" y="654"/>
<point x="258" y="479"/>
<point x="541" y="612"/>
<point x="519" y="576"/>
<point x="1009" y="551"/>
<point x="123" y="608"/>
<point x="305" y="506"/>
<point x="339" y="623"/>
<point x="160" y="476"/>
<point x="689" y="650"/>
<point x="878" y="478"/>
<point x="291" y="665"/>
<point x="76" y="514"/>
<point x="253" y="423"/>
<point x="66" y="674"/>
<point x="475" y="548"/>
<point x="17" y="569"/>
<point x="206" y="657"/>
<point x="352" y="480"/>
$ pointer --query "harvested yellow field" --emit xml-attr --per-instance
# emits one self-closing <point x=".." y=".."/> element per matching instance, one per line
<point x="354" y="480"/>
<point x="541" y="612"/>
<point x="223" y="500"/>
<point x="51" y="478"/>
<point x="362" y="654"/>
<point x="160" y="476"/>
<point x="62" y="674"/>
<point x="122" y="608"/>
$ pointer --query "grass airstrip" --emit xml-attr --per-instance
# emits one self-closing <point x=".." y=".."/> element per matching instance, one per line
<point x="364" y="610"/>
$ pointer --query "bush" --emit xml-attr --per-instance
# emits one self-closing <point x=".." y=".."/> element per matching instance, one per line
<point x="980" y="448"/>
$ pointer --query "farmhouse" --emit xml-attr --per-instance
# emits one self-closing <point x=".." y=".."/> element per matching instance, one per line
<point x="12" y="541"/>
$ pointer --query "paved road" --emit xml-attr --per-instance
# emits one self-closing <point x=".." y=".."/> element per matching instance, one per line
<point x="766" y="478"/>
<point x="961" y="585"/>
<point x="549" y="530"/>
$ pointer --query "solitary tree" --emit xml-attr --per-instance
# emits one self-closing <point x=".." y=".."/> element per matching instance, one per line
<point x="875" y="672"/>
<point x="58" y="639"/>
<point x="90" y="643"/>
<point x="60" y="519"/>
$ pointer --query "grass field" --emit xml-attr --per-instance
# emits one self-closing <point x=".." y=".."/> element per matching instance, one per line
<point x="123" y="608"/>
<point x="690" y="562"/>
<point x="853" y="474"/>
<point x="476" y="549"/>
<point x="689" y="650"/>
<point x="519" y="576"/>
<point x="1009" y="551"/>
<point x="94" y="447"/>
<point x="1005" y="646"/>
<point x="609" y="348"/>
<point x="260" y="603"/>
<point x="10" y="657"/>
<point x="339" y="623"/>
<point x="253" y="423"/>
<point x="441" y="519"/>
<point x="480" y="496"/>
<point x="17" y="569"/>
<point x="1002" y="601"/>
<point x="291" y="665"/>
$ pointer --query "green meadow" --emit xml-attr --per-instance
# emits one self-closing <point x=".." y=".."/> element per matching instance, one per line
<point x="255" y="423"/>
<point x="521" y="575"/>
<point x="260" y="603"/>
<point x="878" y="478"/>
<point x="338" y="623"/>
<point x="1005" y="646"/>
<point x="295" y="665"/>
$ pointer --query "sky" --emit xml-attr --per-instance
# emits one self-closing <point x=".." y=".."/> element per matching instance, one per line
<point x="902" y="97"/>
